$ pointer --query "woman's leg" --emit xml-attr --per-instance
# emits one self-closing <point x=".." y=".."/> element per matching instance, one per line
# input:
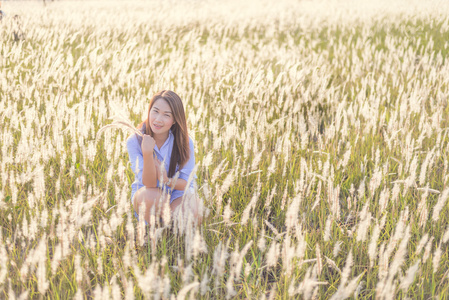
<point x="179" y="204"/>
<point x="151" y="197"/>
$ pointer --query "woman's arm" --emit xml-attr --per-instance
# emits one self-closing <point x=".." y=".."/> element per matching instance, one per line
<point x="149" y="175"/>
<point x="180" y="184"/>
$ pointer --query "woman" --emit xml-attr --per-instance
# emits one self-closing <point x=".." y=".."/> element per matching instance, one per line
<point x="164" y="153"/>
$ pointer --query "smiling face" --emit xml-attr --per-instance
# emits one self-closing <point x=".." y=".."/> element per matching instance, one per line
<point x="161" y="117"/>
<point x="165" y="113"/>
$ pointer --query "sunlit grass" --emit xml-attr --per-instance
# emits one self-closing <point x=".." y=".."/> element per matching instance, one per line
<point x="321" y="137"/>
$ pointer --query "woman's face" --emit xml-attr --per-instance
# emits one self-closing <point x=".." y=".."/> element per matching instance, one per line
<point x="161" y="117"/>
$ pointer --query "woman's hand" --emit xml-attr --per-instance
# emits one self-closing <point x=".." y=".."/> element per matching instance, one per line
<point x="148" y="144"/>
<point x="159" y="173"/>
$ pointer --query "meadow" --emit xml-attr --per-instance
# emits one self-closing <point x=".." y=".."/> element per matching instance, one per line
<point x="321" y="134"/>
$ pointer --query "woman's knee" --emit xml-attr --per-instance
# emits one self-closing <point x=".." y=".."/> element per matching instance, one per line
<point x="149" y="196"/>
<point x="187" y="206"/>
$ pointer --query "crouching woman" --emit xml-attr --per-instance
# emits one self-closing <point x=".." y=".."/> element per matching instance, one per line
<point x="163" y="159"/>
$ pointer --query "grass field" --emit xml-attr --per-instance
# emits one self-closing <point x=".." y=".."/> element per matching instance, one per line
<point x="321" y="134"/>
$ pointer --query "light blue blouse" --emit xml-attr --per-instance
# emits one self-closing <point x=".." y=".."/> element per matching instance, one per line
<point x="164" y="155"/>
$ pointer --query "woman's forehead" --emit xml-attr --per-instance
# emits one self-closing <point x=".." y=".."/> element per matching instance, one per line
<point x="162" y="104"/>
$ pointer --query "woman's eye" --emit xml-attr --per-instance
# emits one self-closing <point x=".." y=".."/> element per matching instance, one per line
<point x="167" y="115"/>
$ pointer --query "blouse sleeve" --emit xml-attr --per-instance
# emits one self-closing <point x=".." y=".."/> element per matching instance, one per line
<point x="135" y="157"/>
<point x="184" y="173"/>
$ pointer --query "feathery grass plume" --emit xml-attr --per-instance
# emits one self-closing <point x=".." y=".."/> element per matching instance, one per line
<point x="272" y="254"/>
<point x="141" y="224"/>
<point x="272" y="228"/>
<point x="334" y="199"/>
<point x="99" y="263"/>
<point x="251" y="205"/>
<point x="427" y="162"/>
<point x="42" y="282"/>
<point x="183" y="292"/>
<point x="78" y="269"/>
<point x="3" y="261"/>
<point x="400" y="254"/>
<point x="288" y="253"/>
<point x="100" y="293"/>
<point x="204" y="285"/>
<point x="385" y="287"/>
<point x="284" y="196"/>
<point x="400" y="225"/>
<point x="383" y="199"/>
<point x="423" y="212"/>
<point x="301" y="245"/>
<point x="291" y="216"/>
<point x="272" y="167"/>
<point x="436" y="258"/>
<point x="428" y="190"/>
<point x="261" y="243"/>
<point x="256" y="160"/>
<point x="218" y="170"/>
<point x="365" y="221"/>
<point x="187" y="274"/>
<point x="78" y="295"/>
<point x="230" y="291"/>
<point x="25" y="228"/>
<point x="228" y="181"/>
<point x="147" y="280"/>
<point x="372" y="248"/>
<point x="270" y="198"/>
<point x="327" y="229"/>
<point x="445" y="237"/>
<point x="337" y="248"/>
<point x="129" y="290"/>
<point x="411" y="179"/>
<point x="344" y="162"/>
<point x="119" y="124"/>
<point x="11" y="293"/>
<point x="385" y="251"/>
<point x="166" y="212"/>
<point x="395" y="193"/>
<point x="227" y="214"/>
<point x="346" y="270"/>
<point x="57" y="256"/>
<point x="427" y="250"/>
<point x="409" y="277"/>
<point x="376" y="180"/>
<point x="332" y="264"/>
<point x="345" y="291"/>
<point x="309" y="283"/>
<point x="207" y="161"/>
<point x="440" y="204"/>
<point x="199" y="244"/>
<point x="115" y="290"/>
<point x="237" y="267"/>
<point x="220" y="256"/>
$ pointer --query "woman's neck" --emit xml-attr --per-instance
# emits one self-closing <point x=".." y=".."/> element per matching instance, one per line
<point x="160" y="139"/>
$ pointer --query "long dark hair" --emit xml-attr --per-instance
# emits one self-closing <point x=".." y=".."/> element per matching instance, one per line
<point x="181" y="149"/>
